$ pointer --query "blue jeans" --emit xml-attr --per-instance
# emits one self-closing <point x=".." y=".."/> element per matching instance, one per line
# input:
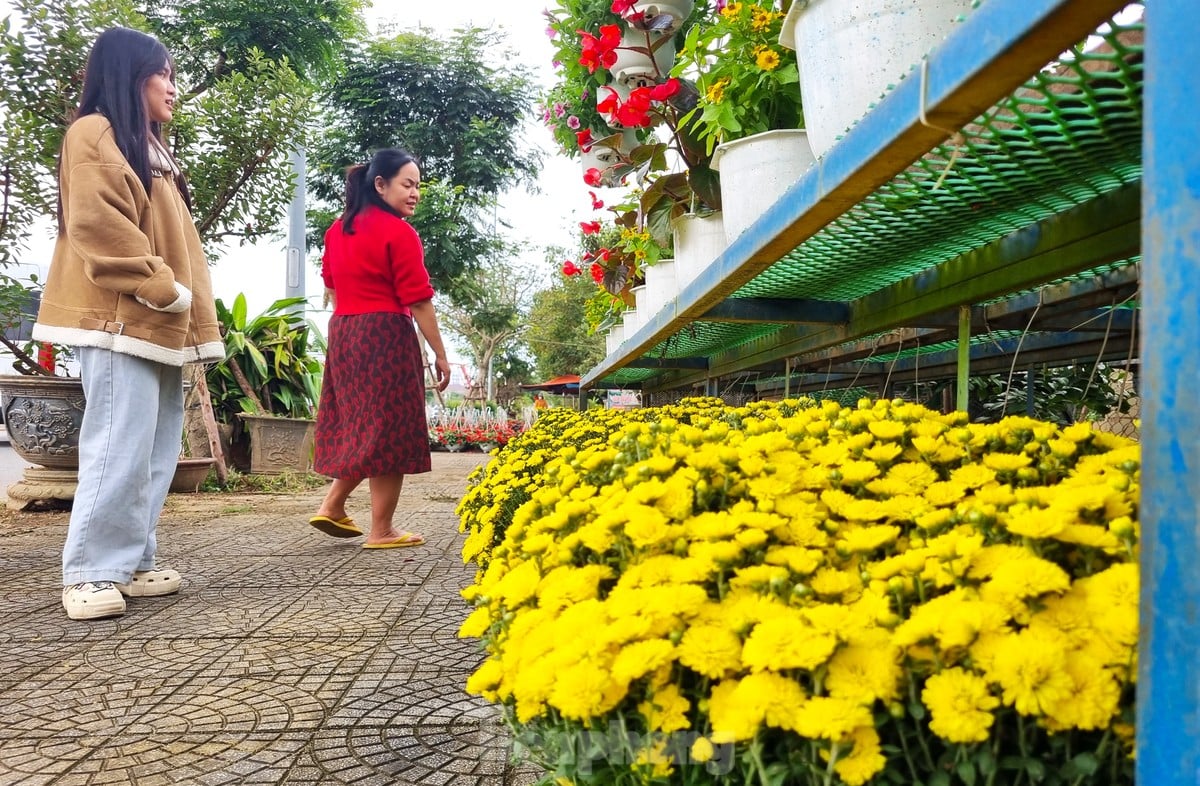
<point x="128" y="447"/>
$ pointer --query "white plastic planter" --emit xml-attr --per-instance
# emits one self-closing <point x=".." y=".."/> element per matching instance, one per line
<point x="698" y="241"/>
<point x="849" y="51"/>
<point x="614" y="337"/>
<point x="756" y="171"/>
<point x="660" y="286"/>
<point x="607" y="160"/>
<point x="631" y="323"/>
<point x="636" y="69"/>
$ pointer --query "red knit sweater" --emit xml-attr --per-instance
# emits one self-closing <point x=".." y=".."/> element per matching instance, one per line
<point x="381" y="267"/>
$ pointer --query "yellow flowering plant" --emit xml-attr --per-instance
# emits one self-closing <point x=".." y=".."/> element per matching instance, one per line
<point x="808" y="593"/>
<point x="748" y="82"/>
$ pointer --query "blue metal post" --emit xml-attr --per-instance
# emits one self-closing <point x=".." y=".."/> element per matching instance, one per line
<point x="1168" y="710"/>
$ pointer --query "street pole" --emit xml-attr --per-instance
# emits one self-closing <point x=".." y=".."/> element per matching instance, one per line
<point x="294" y="282"/>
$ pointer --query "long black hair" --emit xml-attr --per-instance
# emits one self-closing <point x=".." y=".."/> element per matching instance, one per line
<point x="118" y="67"/>
<point x="360" y="183"/>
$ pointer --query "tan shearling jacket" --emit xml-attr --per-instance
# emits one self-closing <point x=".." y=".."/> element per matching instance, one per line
<point x="128" y="272"/>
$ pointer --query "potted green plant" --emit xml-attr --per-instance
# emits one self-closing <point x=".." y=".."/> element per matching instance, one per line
<point x="749" y="112"/>
<point x="267" y="388"/>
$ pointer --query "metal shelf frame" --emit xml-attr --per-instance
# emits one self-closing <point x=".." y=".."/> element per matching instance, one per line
<point x="1153" y="225"/>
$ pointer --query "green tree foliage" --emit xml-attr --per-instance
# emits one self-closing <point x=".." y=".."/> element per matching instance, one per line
<point x="443" y="100"/>
<point x="558" y="335"/>
<point x="490" y="317"/>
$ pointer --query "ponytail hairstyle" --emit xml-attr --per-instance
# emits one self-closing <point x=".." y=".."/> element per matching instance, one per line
<point x="360" y="183"/>
<point x="118" y="67"/>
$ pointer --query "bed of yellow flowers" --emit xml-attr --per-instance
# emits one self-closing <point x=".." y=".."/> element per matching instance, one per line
<point x="806" y="593"/>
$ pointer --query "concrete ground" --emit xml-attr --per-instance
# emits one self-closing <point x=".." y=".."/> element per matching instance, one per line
<point x="288" y="656"/>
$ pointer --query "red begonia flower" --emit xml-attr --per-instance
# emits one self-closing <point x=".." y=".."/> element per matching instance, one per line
<point x="584" y="139"/>
<point x="635" y="112"/>
<point x="596" y="52"/>
<point x="596" y="203"/>
<point x="590" y="227"/>
<point x="619" y="7"/>
<point x="593" y="177"/>
<point x="569" y="269"/>
<point x="665" y="90"/>
<point x="597" y="273"/>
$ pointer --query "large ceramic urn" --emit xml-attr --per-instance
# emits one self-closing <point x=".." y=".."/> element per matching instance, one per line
<point x="43" y="416"/>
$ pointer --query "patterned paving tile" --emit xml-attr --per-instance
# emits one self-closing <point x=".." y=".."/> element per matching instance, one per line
<point x="288" y="657"/>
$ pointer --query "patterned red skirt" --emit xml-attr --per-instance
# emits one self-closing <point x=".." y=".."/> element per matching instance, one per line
<point x="371" y="419"/>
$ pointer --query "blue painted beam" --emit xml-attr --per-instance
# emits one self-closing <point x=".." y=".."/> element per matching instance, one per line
<point x="1168" y="709"/>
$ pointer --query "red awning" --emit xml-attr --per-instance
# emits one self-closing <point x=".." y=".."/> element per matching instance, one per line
<point x="566" y="385"/>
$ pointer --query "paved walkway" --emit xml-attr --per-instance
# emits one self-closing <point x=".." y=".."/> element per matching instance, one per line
<point x="288" y="657"/>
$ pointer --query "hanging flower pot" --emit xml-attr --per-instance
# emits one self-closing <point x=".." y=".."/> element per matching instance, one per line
<point x="838" y="84"/>
<point x="663" y="16"/>
<point x="634" y="67"/>
<point x="607" y="162"/>
<point x="755" y="172"/>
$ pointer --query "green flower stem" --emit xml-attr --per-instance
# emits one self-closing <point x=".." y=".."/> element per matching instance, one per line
<point x="757" y="761"/>
<point x="833" y="756"/>
<point x="1099" y="756"/>
<point x="908" y="758"/>
<point x="1021" y="746"/>
<point x="912" y="697"/>
<point x="995" y="757"/>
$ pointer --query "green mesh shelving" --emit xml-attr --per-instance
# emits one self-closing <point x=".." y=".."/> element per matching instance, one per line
<point x="1070" y="134"/>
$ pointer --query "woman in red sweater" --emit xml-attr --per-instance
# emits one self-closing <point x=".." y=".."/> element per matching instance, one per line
<point x="371" y="418"/>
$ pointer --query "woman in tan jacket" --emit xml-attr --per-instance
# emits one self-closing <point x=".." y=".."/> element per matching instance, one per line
<point x="129" y="288"/>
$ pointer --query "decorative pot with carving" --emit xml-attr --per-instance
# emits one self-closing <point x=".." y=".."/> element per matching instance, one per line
<point x="43" y="415"/>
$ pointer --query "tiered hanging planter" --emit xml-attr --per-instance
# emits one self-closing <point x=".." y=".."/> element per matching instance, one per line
<point x="608" y="161"/>
<point x="634" y="67"/>
<point x="838" y="81"/>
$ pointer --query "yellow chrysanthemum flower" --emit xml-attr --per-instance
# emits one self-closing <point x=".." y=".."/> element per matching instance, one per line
<point x="866" y="671"/>
<point x="737" y="708"/>
<point x="828" y="583"/>
<point x="960" y="706"/>
<point x="1027" y="577"/>
<point x="641" y="658"/>
<point x="787" y="643"/>
<point x="585" y="690"/>
<point x="1006" y="462"/>
<point x="711" y="650"/>
<point x="797" y="559"/>
<point x="865" y="760"/>
<point x="1095" y="697"/>
<point x="702" y="750"/>
<point x="666" y="710"/>
<point x="864" y="540"/>
<point x="828" y="718"/>
<point x="1035" y="523"/>
<point x="1030" y="667"/>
